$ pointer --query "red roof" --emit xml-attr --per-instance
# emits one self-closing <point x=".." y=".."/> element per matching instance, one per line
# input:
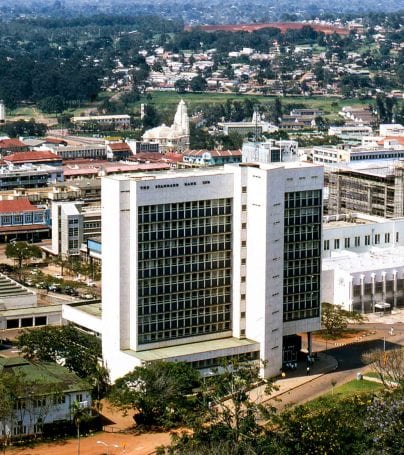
<point x="119" y="147"/>
<point x="115" y="168"/>
<point x="174" y="157"/>
<point x="152" y="157"/>
<point x="17" y="205"/>
<point x="54" y="140"/>
<point x="398" y="139"/>
<point x="11" y="143"/>
<point x="32" y="156"/>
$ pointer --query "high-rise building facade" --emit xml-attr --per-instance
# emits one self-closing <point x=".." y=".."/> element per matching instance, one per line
<point x="202" y="265"/>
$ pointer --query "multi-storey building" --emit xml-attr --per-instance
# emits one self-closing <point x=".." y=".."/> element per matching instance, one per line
<point x="329" y="155"/>
<point x="21" y="220"/>
<point x="29" y="176"/>
<point x="72" y="225"/>
<point x="206" y="264"/>
<point x="50" y="400"/>
<point x="211" y="157"/>
<point x="374" y="188"/>
<point x="85" y="151"/>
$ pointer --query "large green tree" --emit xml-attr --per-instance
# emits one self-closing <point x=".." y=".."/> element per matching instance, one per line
<point x="80" y="352"/>
<point x="159" y="393"/>
<point x="25" y="128"/>
<point x="22" y="251"/>
<point x="230" y="419"/>
<point x="333" y="427"/>
<point x="335" y="319"/>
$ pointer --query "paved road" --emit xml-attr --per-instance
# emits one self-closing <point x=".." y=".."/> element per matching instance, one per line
<point x="350" y="362"/>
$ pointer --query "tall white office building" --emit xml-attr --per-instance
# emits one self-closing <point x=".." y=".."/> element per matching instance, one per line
<point x="200" y="265"/>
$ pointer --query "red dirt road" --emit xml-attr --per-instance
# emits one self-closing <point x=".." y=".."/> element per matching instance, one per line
<point x="128" y="441"/>
<point x="128" y="444"/>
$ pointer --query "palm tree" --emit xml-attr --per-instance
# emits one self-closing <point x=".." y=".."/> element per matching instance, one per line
<point x="79" y="414"/>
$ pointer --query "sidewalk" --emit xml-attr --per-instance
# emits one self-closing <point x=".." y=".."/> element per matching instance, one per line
<point x="396" y="316"/>
<point x="296" y="378"/>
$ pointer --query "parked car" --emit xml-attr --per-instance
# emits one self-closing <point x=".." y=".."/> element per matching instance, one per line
<point x="54" y="287"/>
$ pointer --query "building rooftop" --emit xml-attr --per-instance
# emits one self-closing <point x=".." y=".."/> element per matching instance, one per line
<point x="375" y="259"/>
<point x="352" y="219"/>
<point x="44" y="372"/>
<point x="17" y="205"/>
<point x="213" y="153"/>
<point x="119" y="147"/>
<point x="32" y="157"/>
<point x="11" y="143"/>
<point x="214" y="170"/>
<point x="101" y="167"/>
<point x="92" y="309"/>
<point x="192" y="349"/>
<point x="379" y="167"/>
<point x="85" y="118"/>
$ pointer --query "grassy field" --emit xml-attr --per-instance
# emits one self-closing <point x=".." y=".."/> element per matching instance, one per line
<point x="355" y="386"/>
<point x="346" y="390"/>
<point x="169" y="100"/>
<point x="166" y="102"/>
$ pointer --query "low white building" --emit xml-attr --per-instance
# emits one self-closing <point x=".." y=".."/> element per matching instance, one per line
<point x="270" y="151"/>
<point x="359" y="233"/>
<point x="350" y="131"/>
<point x="52" y="394"/>
<point x="119" y="122"/>
<point x="391" y="129"/>
<point x="365" y="282"/>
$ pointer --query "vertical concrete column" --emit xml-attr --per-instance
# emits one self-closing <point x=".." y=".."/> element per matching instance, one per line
<point x="350" y="293"/>
<point x="309" y="343"/>
<point x="394" y="288"/>
<point x="384" y="293"/>
<point x="373" y="275"/>
<point x="362" y="278"/>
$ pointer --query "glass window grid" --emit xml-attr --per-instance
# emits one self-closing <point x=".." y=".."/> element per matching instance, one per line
<point x="302" y="255"/>
<point x="184" y="269"/>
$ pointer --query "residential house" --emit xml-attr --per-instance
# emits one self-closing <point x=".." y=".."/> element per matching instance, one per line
<point x="50" y="393"/>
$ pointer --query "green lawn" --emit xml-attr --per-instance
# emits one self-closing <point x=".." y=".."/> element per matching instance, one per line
<point x="168" y="100"/>
<point x="356" y="386"/>
<point x="346" y="390"/>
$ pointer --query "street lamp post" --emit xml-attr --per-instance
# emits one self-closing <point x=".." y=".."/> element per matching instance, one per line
<point x="107" y="445"/>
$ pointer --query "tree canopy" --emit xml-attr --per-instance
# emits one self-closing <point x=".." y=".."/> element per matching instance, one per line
<point x="335" y="319"/>
<point x="76" y="350"/>
<point x="229" y="418"/>
<point x="21" y="251"/>
<point x="158" y="392"/>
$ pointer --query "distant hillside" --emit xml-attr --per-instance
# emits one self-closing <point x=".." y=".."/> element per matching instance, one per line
<point x="283" y="26"/>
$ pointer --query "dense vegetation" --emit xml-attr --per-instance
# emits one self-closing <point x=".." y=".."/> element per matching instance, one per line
<point x="225" y="419"/>
<point x="62" y="63"/>
<point x="78" y="351"/>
